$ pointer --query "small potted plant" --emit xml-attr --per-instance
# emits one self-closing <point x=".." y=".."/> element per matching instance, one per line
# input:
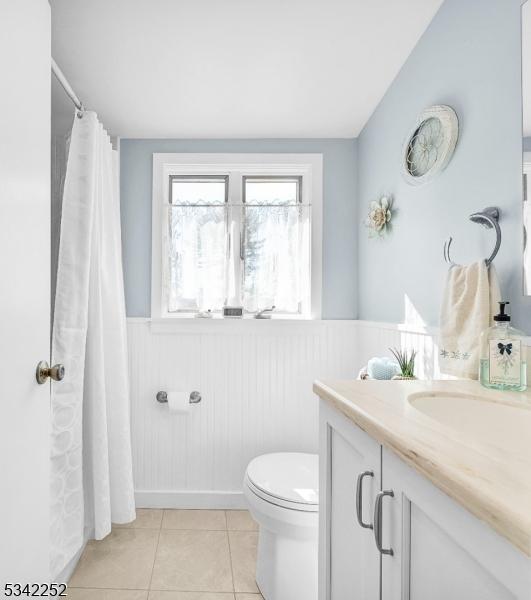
<point x="406" y="362"/>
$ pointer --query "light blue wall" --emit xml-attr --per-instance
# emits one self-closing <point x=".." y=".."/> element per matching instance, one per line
<point x="339" y="218"/>
<point x="527" y="144"/>
<point x="468" y="58"/>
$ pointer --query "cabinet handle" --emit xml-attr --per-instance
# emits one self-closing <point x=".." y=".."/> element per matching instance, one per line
<point x="359" y="498"/>
<point x="378" y="521"/>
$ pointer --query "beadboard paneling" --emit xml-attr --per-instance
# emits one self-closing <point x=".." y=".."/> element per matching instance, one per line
<point x="375" y="339"/>
<point x="256" y="383"/>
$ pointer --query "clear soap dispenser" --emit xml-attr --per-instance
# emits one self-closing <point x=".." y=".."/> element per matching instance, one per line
<point x="502" y="364"/>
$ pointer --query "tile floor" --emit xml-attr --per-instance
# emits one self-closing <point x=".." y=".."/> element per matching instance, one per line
<point x="172" y="555"/>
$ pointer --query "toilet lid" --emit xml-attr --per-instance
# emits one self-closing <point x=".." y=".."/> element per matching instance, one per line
<point x="289" y="476"/>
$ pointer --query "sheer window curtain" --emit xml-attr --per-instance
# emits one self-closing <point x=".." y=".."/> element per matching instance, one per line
<point x="91" y="466"/>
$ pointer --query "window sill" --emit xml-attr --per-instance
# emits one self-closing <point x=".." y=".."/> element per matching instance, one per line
<point x="220" y="325"/>
<point x="190" y="316"/>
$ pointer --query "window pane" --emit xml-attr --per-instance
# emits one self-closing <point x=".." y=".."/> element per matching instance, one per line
<point x="198" y="190"/>
<point x="282" y="191"/>
<point x="197" y="261"/>
<point x="275" y="257"/>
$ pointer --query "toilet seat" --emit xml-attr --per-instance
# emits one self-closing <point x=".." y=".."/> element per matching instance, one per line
<point x="286" y="479"/>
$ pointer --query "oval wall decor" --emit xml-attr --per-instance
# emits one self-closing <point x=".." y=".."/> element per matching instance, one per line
<point x="430" y="144"/>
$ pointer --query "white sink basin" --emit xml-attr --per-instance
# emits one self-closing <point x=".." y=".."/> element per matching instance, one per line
<point x="506" y="426"/>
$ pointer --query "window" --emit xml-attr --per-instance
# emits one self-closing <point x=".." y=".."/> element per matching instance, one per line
<point x="275" y="244"/>
<point x="198" y="239"/>
<point x="235" y="233"/>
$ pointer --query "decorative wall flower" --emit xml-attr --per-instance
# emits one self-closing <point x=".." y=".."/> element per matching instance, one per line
<point x="379" y="217"/>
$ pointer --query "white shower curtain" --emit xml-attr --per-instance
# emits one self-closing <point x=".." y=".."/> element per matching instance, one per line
<point x="91" y="467"/>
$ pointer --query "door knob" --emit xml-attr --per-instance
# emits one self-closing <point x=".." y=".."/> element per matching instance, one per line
<point x="57" y="372"/>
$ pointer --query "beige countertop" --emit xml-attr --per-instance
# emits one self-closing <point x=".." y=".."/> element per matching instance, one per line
<point x="482" y="460"/>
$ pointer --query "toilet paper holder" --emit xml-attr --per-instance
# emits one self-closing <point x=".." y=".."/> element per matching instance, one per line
<point x="195" y="397"/>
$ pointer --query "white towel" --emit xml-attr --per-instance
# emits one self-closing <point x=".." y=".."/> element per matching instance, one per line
<point x="469" y="303"/>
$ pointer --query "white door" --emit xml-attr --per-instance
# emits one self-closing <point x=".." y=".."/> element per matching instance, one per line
<point x="352" y="482"/>
<point x="24" y="289"/>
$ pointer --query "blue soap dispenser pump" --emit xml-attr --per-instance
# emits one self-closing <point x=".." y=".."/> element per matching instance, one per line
<point x="502" y="364"/>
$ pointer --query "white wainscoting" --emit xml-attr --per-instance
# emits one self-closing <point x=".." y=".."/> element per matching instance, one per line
<point x="375" y="339"/>
<point x="255" y="378"/>
<point x="256" y="382"/>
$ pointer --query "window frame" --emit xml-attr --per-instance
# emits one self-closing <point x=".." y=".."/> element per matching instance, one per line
<point x="273" y="178"/>
<point x="307" y="167"/>
<point x="174" y="176"/>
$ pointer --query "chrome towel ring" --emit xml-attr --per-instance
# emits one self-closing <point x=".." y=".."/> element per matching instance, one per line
<point x="489" y="218"/>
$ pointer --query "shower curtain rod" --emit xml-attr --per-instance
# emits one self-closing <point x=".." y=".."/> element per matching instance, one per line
<point x="66" y="86"/>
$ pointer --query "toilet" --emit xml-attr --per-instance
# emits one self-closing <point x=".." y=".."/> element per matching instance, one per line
<point x="282" y="490"/>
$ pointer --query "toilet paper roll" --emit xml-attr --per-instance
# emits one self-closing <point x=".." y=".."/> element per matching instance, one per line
<point x="178" y="402"/>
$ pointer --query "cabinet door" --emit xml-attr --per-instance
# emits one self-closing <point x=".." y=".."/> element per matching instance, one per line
<point x="440" y="550"/>
<point x="352" y="563"/>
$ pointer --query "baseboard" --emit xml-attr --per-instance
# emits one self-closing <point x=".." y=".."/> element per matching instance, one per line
<point x="169" y="499"/>
<point x="67" y="572"/>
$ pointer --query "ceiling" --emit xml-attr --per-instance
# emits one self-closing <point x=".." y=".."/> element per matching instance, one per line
<point x="232" y="68"/>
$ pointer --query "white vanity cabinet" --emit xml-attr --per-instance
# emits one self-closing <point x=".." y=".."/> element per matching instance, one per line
<point x="352" y="467"/>
<point x="431" y="547"/>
